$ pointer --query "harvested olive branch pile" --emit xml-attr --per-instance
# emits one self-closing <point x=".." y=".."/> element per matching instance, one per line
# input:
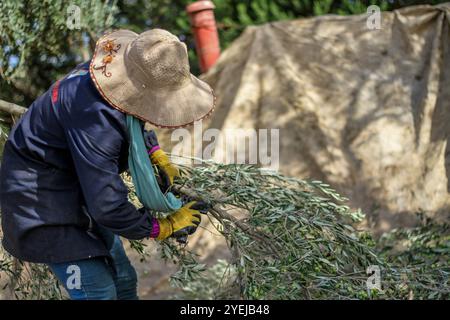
<point x="421" y="258"/>
<point x="294" y="239"/>
<point x="23" y="280"/>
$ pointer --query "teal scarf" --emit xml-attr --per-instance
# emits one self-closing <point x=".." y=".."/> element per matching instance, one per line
<point x="143" y="175"/>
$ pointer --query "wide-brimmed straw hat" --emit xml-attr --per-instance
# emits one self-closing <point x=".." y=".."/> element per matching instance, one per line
<point x="147" y="75"/>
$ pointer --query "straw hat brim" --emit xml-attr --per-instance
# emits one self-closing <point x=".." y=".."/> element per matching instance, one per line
<point x="163" y="106"/>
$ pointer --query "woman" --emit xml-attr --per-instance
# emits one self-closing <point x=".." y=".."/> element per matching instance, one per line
<point x="62" y="198"/>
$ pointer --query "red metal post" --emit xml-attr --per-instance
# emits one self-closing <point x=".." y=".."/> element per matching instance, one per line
<point x="204" y="27"/>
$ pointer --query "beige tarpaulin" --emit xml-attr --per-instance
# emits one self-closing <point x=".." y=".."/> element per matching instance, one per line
<point x="366" y="110"/>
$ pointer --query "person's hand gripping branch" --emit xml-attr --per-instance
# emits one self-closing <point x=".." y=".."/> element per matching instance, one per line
<point x="183" y="222"/>
<point x="168" y="171"/>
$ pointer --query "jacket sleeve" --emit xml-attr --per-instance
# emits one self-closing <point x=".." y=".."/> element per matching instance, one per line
<point x="95" y="141"/>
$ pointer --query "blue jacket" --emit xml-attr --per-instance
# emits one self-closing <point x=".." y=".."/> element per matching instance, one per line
<point x="59" y="181"/>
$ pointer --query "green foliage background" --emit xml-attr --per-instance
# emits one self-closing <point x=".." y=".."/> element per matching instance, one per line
<point x="36" y="47"/>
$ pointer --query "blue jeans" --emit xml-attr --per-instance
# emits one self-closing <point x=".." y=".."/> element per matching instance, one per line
<point x="99" y="278"/>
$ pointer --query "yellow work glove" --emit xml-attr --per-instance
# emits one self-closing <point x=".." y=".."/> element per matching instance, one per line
<point x="161" y="159"/>
<point x="183" y="222"/>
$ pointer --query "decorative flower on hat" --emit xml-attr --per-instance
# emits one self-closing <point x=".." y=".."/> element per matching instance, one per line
<point x="109" y="48"/>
